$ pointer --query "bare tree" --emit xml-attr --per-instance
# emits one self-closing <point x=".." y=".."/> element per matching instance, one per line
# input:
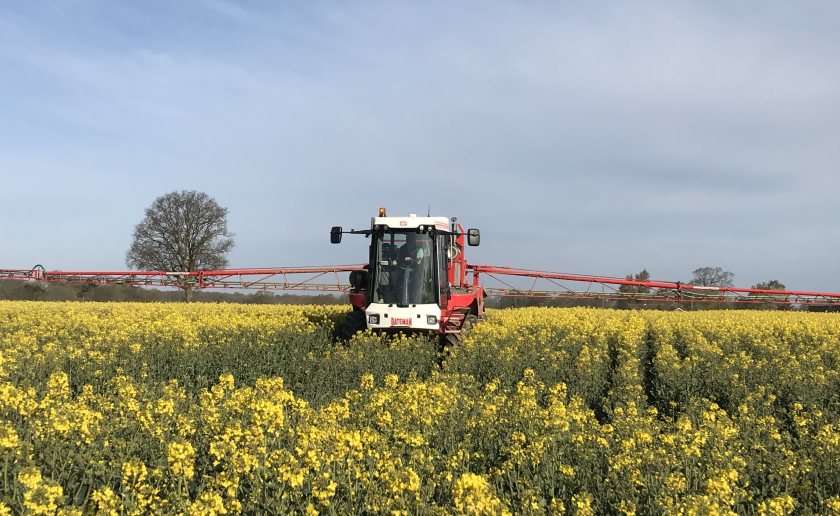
<point x="770" y="285"/>
<point x="774" y="301"/>
<point x="712" y="277"/>
<point x="644" y="275"/>
<point x="182" y="231"/>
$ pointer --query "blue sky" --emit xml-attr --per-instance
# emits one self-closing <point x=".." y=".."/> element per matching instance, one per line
<point x="584" y="137"/>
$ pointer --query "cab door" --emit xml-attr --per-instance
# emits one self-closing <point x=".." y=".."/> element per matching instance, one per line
<point x="443" y="270"/>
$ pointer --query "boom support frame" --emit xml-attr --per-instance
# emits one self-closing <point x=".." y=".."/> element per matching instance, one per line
<point x="545" y="285"/>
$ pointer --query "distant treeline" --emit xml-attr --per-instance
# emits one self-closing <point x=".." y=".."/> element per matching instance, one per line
<point x="37" y="291"/>
<point x="629" y="304"/>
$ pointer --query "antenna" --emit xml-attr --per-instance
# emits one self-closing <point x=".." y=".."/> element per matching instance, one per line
<point x="429" y="211"/>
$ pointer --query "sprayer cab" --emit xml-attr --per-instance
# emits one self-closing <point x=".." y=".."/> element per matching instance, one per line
<point x="415" y="278"/>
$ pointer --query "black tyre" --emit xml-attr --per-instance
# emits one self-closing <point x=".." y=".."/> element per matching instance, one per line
<point x="353" y="322"/>
<point x="469" y="321"/>
<point x="454" y="339"/>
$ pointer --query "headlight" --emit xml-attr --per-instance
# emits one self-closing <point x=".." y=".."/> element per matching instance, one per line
<point x="373" y="319"/>
<point x="431" y="319"/>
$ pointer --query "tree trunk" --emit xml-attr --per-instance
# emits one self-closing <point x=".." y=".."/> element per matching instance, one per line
<point x="188" y="293"/>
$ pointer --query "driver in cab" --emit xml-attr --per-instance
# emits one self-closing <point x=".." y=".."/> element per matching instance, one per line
<point x="411" y="253"/>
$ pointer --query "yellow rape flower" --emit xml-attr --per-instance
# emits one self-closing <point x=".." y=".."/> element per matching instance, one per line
<point x="208" y="503"/>
<point x="832" y="505"/>
<point x="181" y="459"/>
<point x="134" y="472"/>
<point x="473" y="495"/>
<point x="391" y="381"/>
<point x="582" y="503"/>
<point x="40" y="497"/>
<point x="30" y="477"/>
<point x="781" y="505"/>
<point x="107" y="502"/>
<point x="9" y="439"/>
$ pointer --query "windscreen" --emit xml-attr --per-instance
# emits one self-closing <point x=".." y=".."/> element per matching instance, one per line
<point x="404" y="272"/>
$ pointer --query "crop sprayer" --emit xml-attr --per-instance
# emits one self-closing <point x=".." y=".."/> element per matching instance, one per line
<point x="417" y="278"/>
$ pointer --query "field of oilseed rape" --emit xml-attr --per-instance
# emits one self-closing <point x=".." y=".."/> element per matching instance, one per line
<point x="219" y="409"/>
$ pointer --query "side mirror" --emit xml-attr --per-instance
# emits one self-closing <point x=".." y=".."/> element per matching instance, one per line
<point x="473" y="237"/>
<point x="335" y="235"/>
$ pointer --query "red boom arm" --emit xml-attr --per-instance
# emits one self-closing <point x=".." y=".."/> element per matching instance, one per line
<point x="327" y="279"/>
<point x="287" y="278"/>
<point x="668" y="291"/>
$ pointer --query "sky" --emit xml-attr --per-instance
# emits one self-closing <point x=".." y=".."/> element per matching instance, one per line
<point x="581" y="137"/>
